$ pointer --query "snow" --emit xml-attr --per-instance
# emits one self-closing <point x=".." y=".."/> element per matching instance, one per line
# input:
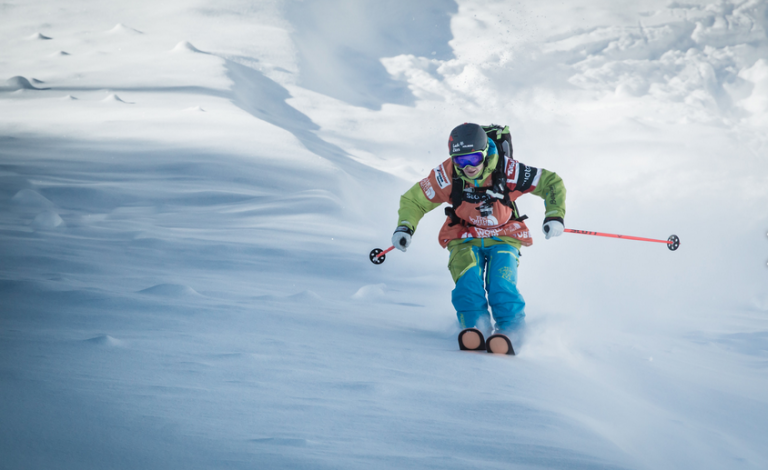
<point x="189" y="193"/>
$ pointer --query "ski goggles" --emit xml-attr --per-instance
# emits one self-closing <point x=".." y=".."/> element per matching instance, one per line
<point x="469" y="159"/>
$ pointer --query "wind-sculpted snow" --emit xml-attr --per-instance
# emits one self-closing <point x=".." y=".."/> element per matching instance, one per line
<point x="20" y="83"/>
<point x="48" y="220"/>
<point x="39" y="37"/>
<point x="113" y="98"/>
<point x="105" y="340"/>
<point x="692" y="61"/>
<point x="189" y="195"/>
<point x="340" y="44"/>
<point x="371" y="292"/>
<point x="185" y="46"/>
<point x="29" y="198"/>
<point x="121" y="29"/>
<point x="169" y="290"/>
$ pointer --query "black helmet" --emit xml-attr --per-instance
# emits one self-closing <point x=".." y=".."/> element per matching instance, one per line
<point x="467" y="138"/>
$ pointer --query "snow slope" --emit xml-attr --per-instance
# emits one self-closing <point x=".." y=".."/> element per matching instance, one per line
<point x="188" y="193"/>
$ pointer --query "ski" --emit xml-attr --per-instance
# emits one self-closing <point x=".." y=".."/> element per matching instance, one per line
<point x="471" y="339"/>
<point x="499" y="344"/>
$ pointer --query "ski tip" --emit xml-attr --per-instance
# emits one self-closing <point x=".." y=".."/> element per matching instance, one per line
<point x="500" y="344"/>
<point x="471" y="339"/>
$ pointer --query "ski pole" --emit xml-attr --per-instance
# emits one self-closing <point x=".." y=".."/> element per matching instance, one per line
<point x="673" y="242"/>
<point x="378" y="255"/>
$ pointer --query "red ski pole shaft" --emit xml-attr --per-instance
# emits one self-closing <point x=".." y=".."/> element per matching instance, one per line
<point x="672" y="243"/>
<point x="385" y="251"/>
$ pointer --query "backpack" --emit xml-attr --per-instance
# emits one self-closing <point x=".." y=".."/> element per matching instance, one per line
<point x="486" y="195"/>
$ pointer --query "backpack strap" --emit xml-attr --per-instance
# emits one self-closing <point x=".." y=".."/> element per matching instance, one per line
<point x="457" y="197"/>
<point x="500" y="188"/>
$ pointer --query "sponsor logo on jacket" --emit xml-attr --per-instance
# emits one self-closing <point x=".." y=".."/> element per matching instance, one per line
<point x="487" y="233"/>
<point x="442" y="179"/>
<point x="527" y="176"/>
<point x="489" y="221"/>
<point x="426" y="186"/>
<point x="524" y="177"/>
<point x="511" y="170"/>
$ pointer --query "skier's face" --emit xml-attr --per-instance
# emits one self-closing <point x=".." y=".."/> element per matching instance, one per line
<point x="473" y="172"/>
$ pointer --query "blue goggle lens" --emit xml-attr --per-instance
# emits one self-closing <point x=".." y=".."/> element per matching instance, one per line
<point x="470" y="159"/>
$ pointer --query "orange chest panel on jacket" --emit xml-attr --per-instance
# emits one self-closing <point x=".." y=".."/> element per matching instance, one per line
<point x="485" y="218"/>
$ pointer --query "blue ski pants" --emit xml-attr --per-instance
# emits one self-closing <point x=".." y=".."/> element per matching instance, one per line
<point x="492" y="270"/>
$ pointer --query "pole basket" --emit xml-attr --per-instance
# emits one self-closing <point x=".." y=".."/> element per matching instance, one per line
<point x="673" y="243"/>
<point x="376" y="256"/>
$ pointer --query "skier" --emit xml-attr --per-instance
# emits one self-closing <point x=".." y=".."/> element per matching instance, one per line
<point x="483" y="230"/>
